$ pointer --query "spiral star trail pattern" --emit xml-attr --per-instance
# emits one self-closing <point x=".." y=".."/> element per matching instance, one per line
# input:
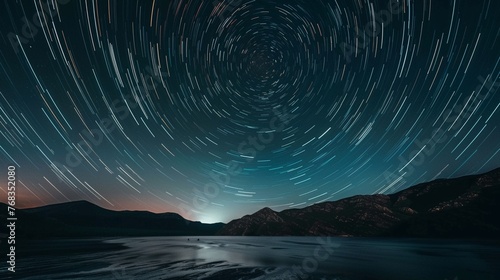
<point x="215" y="109"/>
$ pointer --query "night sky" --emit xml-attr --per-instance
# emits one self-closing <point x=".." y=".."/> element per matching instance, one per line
<point x="215" y="109"/>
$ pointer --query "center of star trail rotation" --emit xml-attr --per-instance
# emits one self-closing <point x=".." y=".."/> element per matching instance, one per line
<point x="215" y="109"/>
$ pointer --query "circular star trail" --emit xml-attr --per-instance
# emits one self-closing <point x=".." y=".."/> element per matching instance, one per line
<point x="215" y="109"/>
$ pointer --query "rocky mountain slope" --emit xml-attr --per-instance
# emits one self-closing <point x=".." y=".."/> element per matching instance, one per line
<point x="460" y="207"/>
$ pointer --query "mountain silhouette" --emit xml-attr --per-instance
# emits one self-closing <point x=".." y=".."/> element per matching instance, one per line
<point x="464" y="207"/>
<point x="83" y="219"/>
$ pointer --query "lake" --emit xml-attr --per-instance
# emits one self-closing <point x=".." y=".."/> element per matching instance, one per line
<point x="206" y="257"/>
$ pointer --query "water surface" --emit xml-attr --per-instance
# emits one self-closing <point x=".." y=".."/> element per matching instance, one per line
<point x="258" y="258"/>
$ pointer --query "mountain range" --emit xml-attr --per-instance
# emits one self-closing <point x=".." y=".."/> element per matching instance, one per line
<point x="464" y="207"/>
<point x="83" y="219"/>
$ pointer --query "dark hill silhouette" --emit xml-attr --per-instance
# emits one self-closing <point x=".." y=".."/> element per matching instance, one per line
<point x="84" y="219"/>
<point x="462" y="207"/>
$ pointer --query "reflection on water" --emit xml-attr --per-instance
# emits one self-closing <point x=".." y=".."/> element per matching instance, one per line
<point x="260" y="258"/>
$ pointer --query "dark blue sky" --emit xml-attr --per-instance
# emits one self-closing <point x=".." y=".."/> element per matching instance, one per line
<point x="215" y="109"/>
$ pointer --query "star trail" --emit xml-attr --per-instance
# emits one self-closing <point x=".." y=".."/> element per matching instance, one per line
<point x="215" y="109"/>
